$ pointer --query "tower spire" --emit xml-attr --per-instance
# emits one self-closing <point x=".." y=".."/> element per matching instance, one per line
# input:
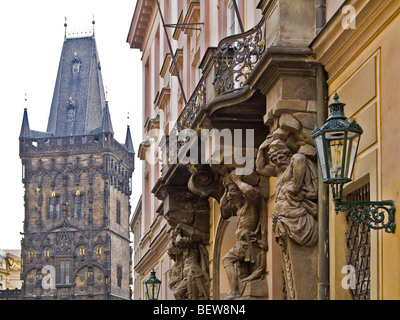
<point x="106" y="125"/>
<point x="82" y="84"/>
<point x="25" y="129"/>
<point x="128" y="139"/>
<point x="65" y="28"/>
<point x="93" y="23"/>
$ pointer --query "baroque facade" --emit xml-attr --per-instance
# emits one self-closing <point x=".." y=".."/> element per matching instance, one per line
<point x="10" y="270"/>
<point x="77" y="181"/>
<point x="249" y="217"/>
<point x="10" y="267"/>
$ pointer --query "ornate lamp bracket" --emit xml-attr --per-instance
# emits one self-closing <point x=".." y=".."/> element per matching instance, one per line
<point x="377" y="215"/>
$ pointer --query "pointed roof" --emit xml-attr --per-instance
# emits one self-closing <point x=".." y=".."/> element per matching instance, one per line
<point x="106" y="125"/>
<point x="79" y="106"/>
<point x="78" y="99"/>
<point x="128" y="141"/>
<point x="25" y="130"/>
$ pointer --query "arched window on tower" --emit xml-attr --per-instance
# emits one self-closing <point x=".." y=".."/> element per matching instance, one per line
<point x="79" y="205"/>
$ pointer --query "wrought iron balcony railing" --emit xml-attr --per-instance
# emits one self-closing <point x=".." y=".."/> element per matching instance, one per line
<point x="196" y="102"/>
<point x="237" y="56"/>
<point x="235" y="59"/>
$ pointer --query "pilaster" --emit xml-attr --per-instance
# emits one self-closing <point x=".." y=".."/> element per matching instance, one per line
<point x="287" y="77"/>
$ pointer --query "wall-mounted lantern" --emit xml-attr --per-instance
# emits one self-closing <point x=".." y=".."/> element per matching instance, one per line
<point x="153" y="286"/>
<point x="337" y="144"/>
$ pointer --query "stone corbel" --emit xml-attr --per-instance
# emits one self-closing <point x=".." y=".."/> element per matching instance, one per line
<point x="205" y="182"/>
<point x="183" y="208"/>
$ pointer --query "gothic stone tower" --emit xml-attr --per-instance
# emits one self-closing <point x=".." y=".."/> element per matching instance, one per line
<point x="77" y="181"/>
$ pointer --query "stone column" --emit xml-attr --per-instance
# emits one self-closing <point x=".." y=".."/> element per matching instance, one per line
<point x="291" y="115"/>
<point x="288" y="80"/>
<point x="289" y="23"/>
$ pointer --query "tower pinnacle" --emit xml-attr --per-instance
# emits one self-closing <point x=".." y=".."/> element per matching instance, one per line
<point x="65" y="28"/>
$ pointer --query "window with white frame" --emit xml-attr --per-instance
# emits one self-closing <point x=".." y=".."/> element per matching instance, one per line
<point x="231" y="21"/>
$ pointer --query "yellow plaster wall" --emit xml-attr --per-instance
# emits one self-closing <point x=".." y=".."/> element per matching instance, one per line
<point x="370" y="88"/>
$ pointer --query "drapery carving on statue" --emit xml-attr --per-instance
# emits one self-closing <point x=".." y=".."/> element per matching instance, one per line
<point x="295" y="213"/>
<point x="189" y="275"/>
<point x="245" y="262"/>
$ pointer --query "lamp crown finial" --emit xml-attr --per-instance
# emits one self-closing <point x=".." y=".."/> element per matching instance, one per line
<point x="336" y="97"/>
<point x="337" y="108"/>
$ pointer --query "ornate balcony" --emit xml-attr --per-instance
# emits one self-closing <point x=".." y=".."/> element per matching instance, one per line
<point x="237" y="57"/>
<point x="233" y="61"/>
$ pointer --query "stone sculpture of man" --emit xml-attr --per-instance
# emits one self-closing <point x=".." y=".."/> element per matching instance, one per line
<point x="189" y="275"/>
<point x="243" y="200"/>
<point x="296" y="194"/>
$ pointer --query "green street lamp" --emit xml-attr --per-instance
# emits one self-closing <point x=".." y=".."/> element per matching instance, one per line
<point x="337" y="144"/>
<point x="152" y="286"/>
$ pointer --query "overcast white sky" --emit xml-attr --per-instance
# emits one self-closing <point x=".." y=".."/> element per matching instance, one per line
<point x="32" y="34"/>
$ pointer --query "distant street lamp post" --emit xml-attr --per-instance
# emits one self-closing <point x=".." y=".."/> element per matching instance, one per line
<point x="153" y="286"/>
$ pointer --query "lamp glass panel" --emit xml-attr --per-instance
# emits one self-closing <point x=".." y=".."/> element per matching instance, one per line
<point x="351" y="153"/>
<point x="153" y="288"/>
<point x="336" y="143"/>
<point x="151" y="291"/>
<point x="157" y="290"/>
<point x="319" y="144"/>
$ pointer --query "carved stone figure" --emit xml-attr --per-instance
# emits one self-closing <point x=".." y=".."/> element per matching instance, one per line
<point x="176" y="254"/>
<point x="243" y="200"/>
<point x="294" y="220"/>
<point x="189" y="278"/>
<point x="296" y="194"/>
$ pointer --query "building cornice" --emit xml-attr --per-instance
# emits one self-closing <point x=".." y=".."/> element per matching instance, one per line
<point x="192" y="15"/>
<point x="157" y="247"/>
<point x="163" y="98"/>
<point x="136" y="213"/>
<point x="49" y="147"/>
<point x="166" y="64"/>
<point x="140" y="24"/>
<point x="336" y="47"/>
